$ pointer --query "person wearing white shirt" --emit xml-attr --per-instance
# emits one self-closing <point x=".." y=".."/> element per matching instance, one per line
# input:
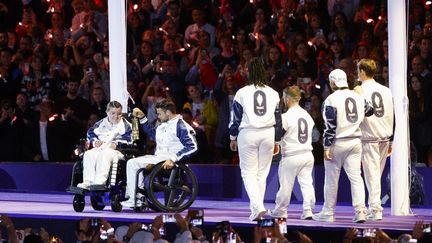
<point x="297" y="158"/>
<point x="377" y="133"/>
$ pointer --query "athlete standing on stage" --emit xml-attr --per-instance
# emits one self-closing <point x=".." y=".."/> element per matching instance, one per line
<point x="377" y="133"/>
<point x="254" y="128"/>
<point x="297" y="158"/>
<point x="343" y="111"/>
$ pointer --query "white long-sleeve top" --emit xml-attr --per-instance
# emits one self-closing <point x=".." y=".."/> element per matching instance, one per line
<point x="379" y="126"/>
<point x="343" y="111"/>
<point x="298" y="126"/>
<point x="255" y="107"/>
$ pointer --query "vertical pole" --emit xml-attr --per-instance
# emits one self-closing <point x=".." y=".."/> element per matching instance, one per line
<point x="397" y="38"/>
<point x="117" y="51"/>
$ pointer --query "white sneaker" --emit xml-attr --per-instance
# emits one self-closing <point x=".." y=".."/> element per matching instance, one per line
<point x="307" y="214"/>
<point x="84" y="185"/>
<point x="324" y="217"/>
<point x="277" y="214"/>
<point x="131" y="203"/>
<point x="255" y="216"/>
<point x="360" y="216"/>
<point x="375" y="214"/>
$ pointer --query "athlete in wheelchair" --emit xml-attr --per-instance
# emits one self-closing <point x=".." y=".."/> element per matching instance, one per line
<point x="162" y="181"/>
<point x="168" y="186"/>
<point x="101" y="168"/>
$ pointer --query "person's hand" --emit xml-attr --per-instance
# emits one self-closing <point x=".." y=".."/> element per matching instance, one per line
<point x="233" y="145"/>
<point x="197" y="232"/>
<point x="97" y="143"/>
<point x="157" y="222"/>
<point x="156" y="225"/>
<point x="133" y="228"/>
<point x="276" y="149"/>
<point x="327" y="154"/>
<point x="70" y="42"/>
<point x="10" y="227"/>
<point x="136" y="112"/>
<point x="350" y="233"/>
<point x="181" y="223"/>
<point x="44" y="235"/>
<point x="304" y="238"/>
<point x="105" y="224"/>
<point x="277" y="232"/>
<point x="113" y="146"/>
<point x="382" y="236"/>
<point x="168" y="164"/>
<point x="418" y="230"/>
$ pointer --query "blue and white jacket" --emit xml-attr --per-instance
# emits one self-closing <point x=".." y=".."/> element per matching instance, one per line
<point x="174" y="138"/>
<point x="343" y="111"/>
<point x="255" y="107"/>
<point x="105" y="131"/>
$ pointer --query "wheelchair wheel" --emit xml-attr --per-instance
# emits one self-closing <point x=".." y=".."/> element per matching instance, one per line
<point x="78" y="203"/>
<point x="97" y="202"/>
<point x="171" y="190"/>
<point x="116" y="203"/>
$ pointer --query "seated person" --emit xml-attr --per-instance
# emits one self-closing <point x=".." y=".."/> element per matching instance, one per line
<point x="105" y="136"/>
<point x="175" y="140"/>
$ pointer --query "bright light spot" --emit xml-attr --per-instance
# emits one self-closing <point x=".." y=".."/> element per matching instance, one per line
<point x="369" y="21"/>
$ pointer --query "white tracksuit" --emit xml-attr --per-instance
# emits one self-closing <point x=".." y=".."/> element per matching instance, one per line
<point x="297" y="159"/>
<point x="343" y="111"/>
<point x="255" y="116"/>
<point x="97" y="161"/>
<point x="175" y="140"/>
<point x="377" y="131"/>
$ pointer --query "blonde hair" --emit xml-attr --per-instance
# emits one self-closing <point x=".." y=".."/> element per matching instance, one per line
<point x="293" y="92"/>
<point x="368" y="66"/>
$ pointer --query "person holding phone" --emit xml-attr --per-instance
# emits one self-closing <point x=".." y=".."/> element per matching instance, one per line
<point x="297" y="158"/>
<point x="254" y="128"/>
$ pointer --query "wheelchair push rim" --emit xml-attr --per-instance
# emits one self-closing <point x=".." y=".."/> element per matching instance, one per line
<point x="171" y="190"/>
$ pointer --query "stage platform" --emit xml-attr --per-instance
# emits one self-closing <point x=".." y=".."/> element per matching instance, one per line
<point x="31" y="209"/>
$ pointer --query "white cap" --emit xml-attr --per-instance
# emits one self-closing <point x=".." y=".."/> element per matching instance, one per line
<point x="338" y="78"/>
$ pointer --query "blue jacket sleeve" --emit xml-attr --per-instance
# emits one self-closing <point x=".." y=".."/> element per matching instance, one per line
<point x="237" y="114"/>
<point x="187" y="138"/>
<point x="148" y="128"/>
<point x="279" y="131"/>
<point x="330" y="122"/>
<point x="91" y="136"/>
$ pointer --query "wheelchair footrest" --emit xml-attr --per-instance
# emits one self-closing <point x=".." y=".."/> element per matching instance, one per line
<point x="76" y="190"/>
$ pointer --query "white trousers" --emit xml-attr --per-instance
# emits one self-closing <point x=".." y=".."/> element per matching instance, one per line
<point x="290" y="167"/>
<point x="97" y="163"/>
<point x="345" y="153"/>
<point x="133" y="165"/>
<point x="374" y="158"/>
<point x="255" y="147"/>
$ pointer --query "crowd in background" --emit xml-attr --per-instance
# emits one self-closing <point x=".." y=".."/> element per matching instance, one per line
<point x="181" y="230"/>
<point x="54" y="64"/>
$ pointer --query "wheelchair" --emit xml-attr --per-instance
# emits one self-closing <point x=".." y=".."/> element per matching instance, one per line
<point x="172" y="190"/>
<point x="111" y="193"/>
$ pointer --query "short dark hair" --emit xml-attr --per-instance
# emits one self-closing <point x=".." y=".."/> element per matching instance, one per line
<point x="113" y="104"/>
<point x="166" y="105"/>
